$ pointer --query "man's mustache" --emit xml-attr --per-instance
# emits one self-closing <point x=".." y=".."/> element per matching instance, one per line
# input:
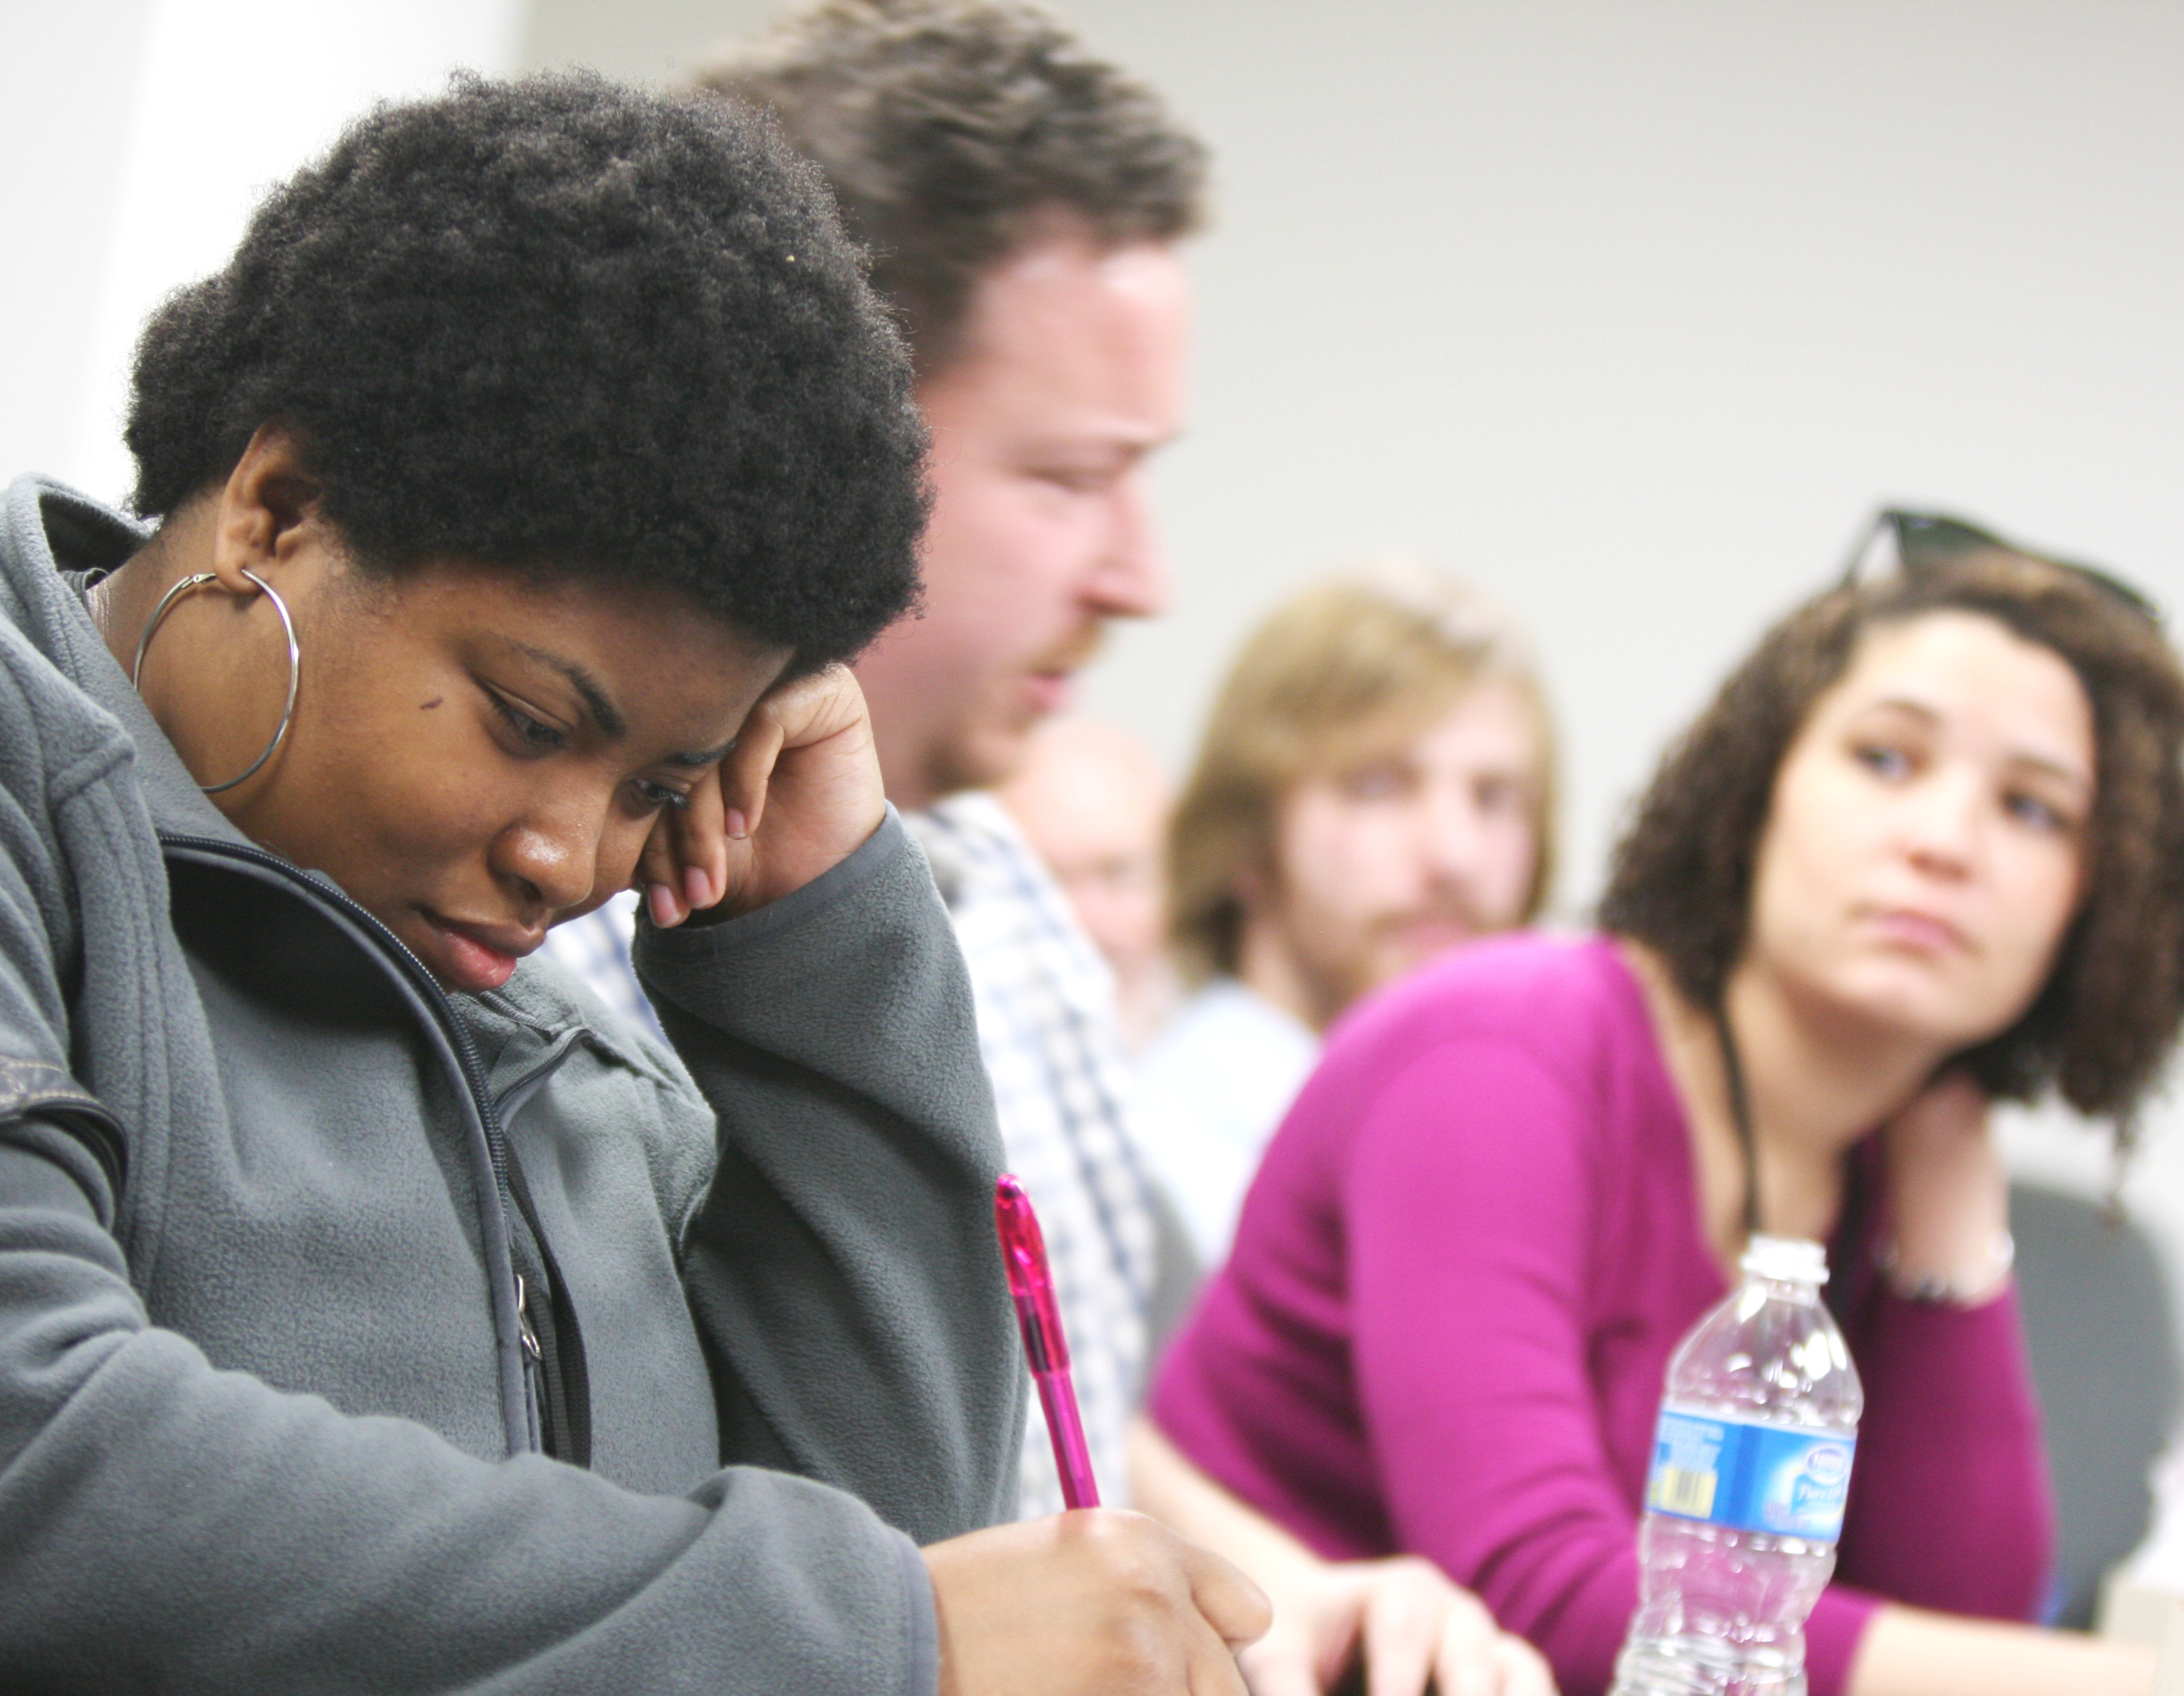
<point x="1074" y="653"/>
<point x="1455" y="912"/>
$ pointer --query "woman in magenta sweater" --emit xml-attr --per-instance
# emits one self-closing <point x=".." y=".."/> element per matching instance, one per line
<point x="1925" y="849"/>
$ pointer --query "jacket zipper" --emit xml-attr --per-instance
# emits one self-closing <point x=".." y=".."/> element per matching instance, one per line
<point x="523" y="1319"/>
<point x="522" y="1432"/>
<point x="534" y="1364"/>
<point x="563" y="1380"/>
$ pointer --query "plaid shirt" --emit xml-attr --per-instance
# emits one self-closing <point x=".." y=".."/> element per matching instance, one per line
<point x="1046" y="1027"/>
<point x="595" y="949"/>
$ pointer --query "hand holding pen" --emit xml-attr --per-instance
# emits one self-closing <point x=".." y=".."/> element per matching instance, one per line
<point x="1098" y="1603"/>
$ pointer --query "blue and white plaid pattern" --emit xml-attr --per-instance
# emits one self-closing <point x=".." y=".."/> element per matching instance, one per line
<point x="595" y="948"/>
<point x="1046" y="1027"/>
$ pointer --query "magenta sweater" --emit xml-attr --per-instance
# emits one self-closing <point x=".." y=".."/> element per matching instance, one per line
<point x="1457" y="1280"/>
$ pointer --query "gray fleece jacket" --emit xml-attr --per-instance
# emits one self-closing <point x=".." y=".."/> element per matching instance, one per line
<point x="357" y="1337"/>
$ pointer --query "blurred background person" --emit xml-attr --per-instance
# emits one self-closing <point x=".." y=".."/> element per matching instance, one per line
<point x="1376" y="785"/>
<point x="1921" y="851"/>
<point x="1092" y="802"/>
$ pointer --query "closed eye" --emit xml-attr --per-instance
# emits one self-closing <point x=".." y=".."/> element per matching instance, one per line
<point x="659" y="797"/>
<point x="535" y="733"/>
<point x="1075" y="481"/>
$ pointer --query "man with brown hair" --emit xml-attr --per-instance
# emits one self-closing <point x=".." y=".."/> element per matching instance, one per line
<point x="1023" y="202"/>
<point x="1375" y="786"/>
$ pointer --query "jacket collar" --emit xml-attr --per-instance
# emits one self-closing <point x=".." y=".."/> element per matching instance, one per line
<point x="46" y="528"/>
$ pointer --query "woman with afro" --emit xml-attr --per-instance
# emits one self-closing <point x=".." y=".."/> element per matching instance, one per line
<point x="376" y="1311"/>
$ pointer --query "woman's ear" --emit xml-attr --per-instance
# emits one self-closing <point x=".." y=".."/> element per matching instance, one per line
<point x="267" y="513"/>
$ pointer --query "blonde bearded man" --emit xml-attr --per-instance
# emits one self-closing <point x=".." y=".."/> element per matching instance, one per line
<point x="1375" y="786"/>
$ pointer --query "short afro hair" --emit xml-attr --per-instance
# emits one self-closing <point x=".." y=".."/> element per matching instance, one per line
<point x="2108" y="1016"/>
<point x="566" y="326"/>
<point x="954" y="130"/>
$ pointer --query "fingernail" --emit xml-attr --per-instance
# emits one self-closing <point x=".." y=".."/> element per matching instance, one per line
<point x="738" y="827"/>
<point x="700" y="886"/>
<point x="661" y="900"/>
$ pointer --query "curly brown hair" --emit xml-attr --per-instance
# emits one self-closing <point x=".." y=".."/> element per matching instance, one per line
<point x="951" y="130"/>
<point x="2108" y="1013"/>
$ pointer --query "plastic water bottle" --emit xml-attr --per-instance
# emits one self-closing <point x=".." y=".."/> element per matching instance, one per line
<point x="1744" y="1503"/>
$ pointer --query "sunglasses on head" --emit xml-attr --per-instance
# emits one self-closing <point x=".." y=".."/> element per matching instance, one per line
<point x="1899" y="543"/>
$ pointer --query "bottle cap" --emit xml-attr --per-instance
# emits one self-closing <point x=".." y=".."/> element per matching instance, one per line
<point x="1793" y="1259"/>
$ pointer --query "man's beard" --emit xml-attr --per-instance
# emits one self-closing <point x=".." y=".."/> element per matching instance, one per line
<point x="1072" y="653"/>
<point x="986" y="747"/>
<point x="1380" y="956"/>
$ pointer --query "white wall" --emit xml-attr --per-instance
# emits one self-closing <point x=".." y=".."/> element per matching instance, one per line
<point x="68" y="76"/>
<point x="158" y="126"/>
<point x="646" y="40"/>
<point x="1633" y="312"/>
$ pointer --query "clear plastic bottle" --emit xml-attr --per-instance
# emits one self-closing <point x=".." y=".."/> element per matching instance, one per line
<point x="1744" y="1504"/>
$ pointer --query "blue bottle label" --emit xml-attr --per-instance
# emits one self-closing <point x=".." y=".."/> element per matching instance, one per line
<point x="1779" y="1479"/>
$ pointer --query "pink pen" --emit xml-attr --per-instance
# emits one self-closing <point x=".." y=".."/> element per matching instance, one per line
<point x="1024" y="1256"/>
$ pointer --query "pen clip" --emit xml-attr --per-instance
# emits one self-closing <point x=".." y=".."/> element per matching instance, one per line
<point x="1023" y="1259"/>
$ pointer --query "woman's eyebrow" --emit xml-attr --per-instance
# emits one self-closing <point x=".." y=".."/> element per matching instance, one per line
<point x="699" y="758"/>
<point x="603" y="713"/>
<point x="2074" y="776"/>
<point x="606" y="716"/>
<point x="2066" y="770"/>
<point x="1905" y="704"/>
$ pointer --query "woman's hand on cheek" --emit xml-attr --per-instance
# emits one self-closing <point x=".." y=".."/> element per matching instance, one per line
<point x="1948" y="1191"/>
<point x="798" y="794"/>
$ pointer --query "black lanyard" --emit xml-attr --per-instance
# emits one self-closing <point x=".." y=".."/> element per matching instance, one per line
<point x="1850" y="1227"/>
<point x="1740" y="1115"/>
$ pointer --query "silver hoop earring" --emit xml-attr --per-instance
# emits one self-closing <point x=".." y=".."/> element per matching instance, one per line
<point x="197" y="580"/>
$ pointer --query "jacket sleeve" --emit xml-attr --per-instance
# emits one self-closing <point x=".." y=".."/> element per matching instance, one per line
<point x="843" y="1267"/>
<point x="165" y="1525"/>
<point x="1951" y="1506"/>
